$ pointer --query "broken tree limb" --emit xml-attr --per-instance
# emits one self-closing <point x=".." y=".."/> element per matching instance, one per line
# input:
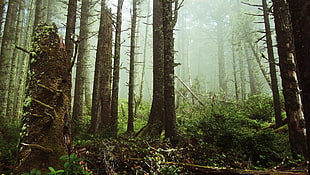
<point x="189" y="89"/>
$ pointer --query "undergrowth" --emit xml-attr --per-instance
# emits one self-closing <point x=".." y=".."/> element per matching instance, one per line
<point x="220" y="134"/>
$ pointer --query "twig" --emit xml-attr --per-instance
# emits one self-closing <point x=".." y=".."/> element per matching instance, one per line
<point x="22" y="49"/>
<point x="47" y="150"/>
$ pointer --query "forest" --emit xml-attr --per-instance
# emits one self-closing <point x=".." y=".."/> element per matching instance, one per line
<point x="154" y="87"/>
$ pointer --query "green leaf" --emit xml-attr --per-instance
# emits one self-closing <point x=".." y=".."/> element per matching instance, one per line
<point x="64" y="157"/>
<point x="73" y="156"/>
<point x="51" y="169"/>
<point x="67" y="165"/>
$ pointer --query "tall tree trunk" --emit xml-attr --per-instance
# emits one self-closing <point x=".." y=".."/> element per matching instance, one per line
<point x="24" y="67"/>
<point x="13" y="87"/>
<point x="155" y="123"/>
<point x="169" y="99"/>
<point x="80" y="67"/>
<point x="221" y="58"/>
<point x="272" y="67"/>
<point x="140" y="97"/>
<point x="290" y="85"/>
<point x="49" y="11"/>
<point x="301" y="24"/>
<point x="38" y="17"/>
<point x="252" y="78"/>
<point x="261" y="67"/>
<point x="70" y="26"/>
<point x="106" y="124"/>
<point x="102" y="77"/>
<point x="116" y="68"/>
<point x="234" y="68"/>
<point x="47" y="106"/>
<point x="131" y="87"/>
<point x="242" y="78"/>
<point x="6" y="55"/>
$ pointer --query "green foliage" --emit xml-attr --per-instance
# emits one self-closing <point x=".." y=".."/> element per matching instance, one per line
<point x="259" y="107"/>
<point x="71" y="164"/>
<point x="140" y="118"/>
<point x="9" y="137"/>
<point x="33" y="172"/>
<point x="231" y="134"/>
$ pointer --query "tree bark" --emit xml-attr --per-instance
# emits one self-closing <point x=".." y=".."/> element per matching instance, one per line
<point x="105" y="49"/>
<point x="24" y="67"/>
<point x="169" y="95"/>
<point x="155" y="123"/>
<point x="242" y="78"/>
<point x="290" y="85"/>
<point x="14" y="72"/>
<point x="47" y="105"/>
<point x="301" y="24"/>
<point x="272" y="67"/>
<point x="116" y="68"/>
<point x="131" y="85"/>
<point x="80" y="68"/>
<point x="38" y="14"/>
<point x="234" y="68"/>
<point x="6" y="55"/>
<point x="70" y="26"/>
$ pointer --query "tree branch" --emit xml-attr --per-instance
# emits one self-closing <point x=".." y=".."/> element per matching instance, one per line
<point x="22" y="49"/>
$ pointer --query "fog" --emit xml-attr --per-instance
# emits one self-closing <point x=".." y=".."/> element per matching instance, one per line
<point x="196" y="44"/>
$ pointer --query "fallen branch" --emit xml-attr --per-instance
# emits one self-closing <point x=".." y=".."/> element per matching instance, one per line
<point x="189" y="89"/>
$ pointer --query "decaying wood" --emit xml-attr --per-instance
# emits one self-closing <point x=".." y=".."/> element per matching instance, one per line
<point x="46" y="132"/>
<point x="189" y="90"/>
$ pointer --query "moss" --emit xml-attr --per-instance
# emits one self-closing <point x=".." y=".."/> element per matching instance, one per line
<point x="48" y="104"/>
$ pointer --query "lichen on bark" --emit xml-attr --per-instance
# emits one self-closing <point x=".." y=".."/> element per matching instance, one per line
<point x="46" y="132"/>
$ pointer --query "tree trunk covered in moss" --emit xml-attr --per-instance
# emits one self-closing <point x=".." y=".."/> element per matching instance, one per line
<point x="116" y="68"/>
<point x="78" y="104"/>
<point x="300" y="16"/>
<point x="155" y="123"/>
<point x="131" y="85"/>
<point x="169" y="95"/>
<point x="272" y="67"/>
<point x="46" y="134"/>
<point x="70" y="26"/>
<point x="6" y="55"/>
<point x="286" y="51"/>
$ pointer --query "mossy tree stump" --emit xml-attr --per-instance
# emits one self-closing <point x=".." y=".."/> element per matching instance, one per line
<point x="46" y="132"/>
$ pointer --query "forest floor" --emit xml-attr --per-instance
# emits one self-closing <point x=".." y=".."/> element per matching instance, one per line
<point x="131" y="156"/>
<point x="159" y="157"/>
